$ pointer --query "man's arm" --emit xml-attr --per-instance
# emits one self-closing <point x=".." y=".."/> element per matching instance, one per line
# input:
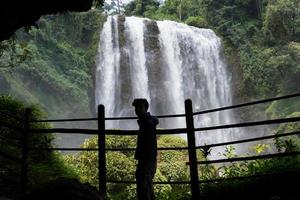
<point x="150" y="140"/>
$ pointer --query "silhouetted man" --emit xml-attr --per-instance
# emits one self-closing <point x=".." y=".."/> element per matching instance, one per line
<point x="146" y="150"/>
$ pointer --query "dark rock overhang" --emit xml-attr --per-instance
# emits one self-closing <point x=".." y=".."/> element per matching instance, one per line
<point x="15" y="14"/>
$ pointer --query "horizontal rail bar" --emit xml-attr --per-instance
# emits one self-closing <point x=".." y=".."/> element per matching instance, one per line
<point x="248" y="177"/>
<point x="247" y="104"/>
<point x="278" y="155"/>
<point x="107" y="118"/>
<point x="135" y="132"/>
<point x="172" y="131"/>
<point x="7" y="125"/>
<point x="158" y="116"/>
<point x="10" y="142"/>
<point x="120" y="118"/>
<point x="10" y="157"/>
<point x="155" y="182"/>
<point x="247" y="124"/>
<point x="120" y="149"/>
<point x="248" y="140"/>
<point x="65" y="130"/>
<point x="170" y="116"/>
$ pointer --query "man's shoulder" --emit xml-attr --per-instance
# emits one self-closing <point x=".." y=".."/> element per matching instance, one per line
<point x="152" y="119"/>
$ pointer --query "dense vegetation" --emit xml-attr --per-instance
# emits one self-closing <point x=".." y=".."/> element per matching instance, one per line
<point x="52" y="64"/>
<point x="121" y="166"/>
<point x="172" y="167"/>
<point x="43" y="166"/>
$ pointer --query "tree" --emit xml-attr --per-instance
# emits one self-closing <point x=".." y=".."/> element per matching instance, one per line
<point x="140" y="7"/>
<point x="12" y="53"/>
<point x="114" y="7"/>
<point x="282" y="19"/>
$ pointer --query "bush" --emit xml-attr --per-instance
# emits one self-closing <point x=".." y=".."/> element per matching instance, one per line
<point x="121" y="166"/>
<point x="197" y="21"/>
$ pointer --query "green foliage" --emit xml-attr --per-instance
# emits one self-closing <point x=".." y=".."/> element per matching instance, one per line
<point x="169" y="10"/>
<point x="197" y="21"/>
<point x="282" y="20"/>
<point x="172" y="167"/>
<point x="12" y="54"/>
<point x="265" y="35"/>
<point x="43" y="165"/>
<point x="53" y="66"/>
<point x="256" y="74"/>
<point x="114" y="7"/>
<point x="246" y="188"/>
<point x="13" y="112"/>
<point x="263" y="166"/>
<point x="288" y="143"/>
<point x="280" y="109"/>
<point x="59" y="63"/>
<point x="121" y="166"/>
<point x="47" y="170"/>
<point x="141" y="7"/>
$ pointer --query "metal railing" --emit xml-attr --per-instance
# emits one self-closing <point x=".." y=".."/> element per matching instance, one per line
<point x="189" y="130"/>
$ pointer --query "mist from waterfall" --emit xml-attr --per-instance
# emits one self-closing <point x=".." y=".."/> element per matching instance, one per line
<point x="165" y="62"/>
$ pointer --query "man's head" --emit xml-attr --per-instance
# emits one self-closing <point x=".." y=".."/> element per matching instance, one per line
<point x="141" y="106"/>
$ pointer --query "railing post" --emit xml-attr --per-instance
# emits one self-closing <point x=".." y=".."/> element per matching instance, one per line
<point x="192" y="149"/>
<point x="24" y="164"/>
<point x="101" y="151"/>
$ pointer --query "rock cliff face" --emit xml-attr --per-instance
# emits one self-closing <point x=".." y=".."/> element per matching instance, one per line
<point x="20" y="13"/>
<point x="130" y="56"/>
<point x="154" y="63"/>
<point x="124" y="59"/>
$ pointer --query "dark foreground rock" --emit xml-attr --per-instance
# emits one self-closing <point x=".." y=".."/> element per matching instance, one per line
<point x="65" y="189"/>
<point x="20" y="13"/>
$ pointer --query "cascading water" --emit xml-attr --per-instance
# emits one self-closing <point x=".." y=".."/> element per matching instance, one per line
<point x="165" y="62"/>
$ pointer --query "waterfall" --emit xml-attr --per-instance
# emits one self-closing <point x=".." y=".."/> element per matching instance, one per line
<point x="165" y="62"/>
